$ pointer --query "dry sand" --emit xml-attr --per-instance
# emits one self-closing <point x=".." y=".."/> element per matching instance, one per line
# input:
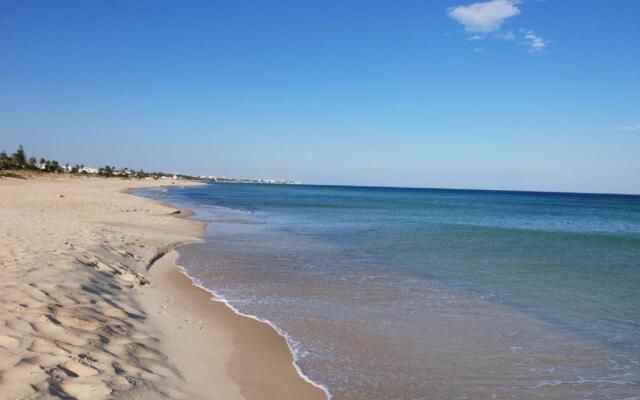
<point x="85" y="313"/>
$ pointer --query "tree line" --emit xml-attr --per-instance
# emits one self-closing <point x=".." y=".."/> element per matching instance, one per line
<point x="19" y="161"/>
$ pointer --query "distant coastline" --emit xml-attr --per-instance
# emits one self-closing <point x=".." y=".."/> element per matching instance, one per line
<point x="20" y="162"/>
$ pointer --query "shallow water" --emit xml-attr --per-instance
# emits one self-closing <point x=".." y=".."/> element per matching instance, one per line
<point x="432" y="294"/>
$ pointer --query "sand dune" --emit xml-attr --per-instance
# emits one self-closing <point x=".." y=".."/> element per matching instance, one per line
<point x="83" y="317"/>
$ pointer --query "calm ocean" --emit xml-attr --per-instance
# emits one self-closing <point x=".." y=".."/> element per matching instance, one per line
<point x="389" y="293"/>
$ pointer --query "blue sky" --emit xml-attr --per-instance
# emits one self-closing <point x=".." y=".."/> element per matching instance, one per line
<point x="540" y="95"/>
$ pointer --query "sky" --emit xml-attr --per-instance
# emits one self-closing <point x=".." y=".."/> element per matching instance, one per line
<point x="501" y="94"/>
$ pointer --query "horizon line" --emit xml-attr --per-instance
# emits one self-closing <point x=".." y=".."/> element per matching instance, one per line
<point x="434" y="188"/>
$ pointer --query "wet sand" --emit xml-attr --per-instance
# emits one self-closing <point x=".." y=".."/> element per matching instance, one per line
<point x="92" y="307"/>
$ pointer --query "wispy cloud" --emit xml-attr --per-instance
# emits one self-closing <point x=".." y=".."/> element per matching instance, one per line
<point x="630" y="128"/>
<point x="485" y="17"/>
<point x="535" y="43"/>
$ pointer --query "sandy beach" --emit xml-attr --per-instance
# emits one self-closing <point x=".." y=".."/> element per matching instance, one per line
<point x="93" y="307"/>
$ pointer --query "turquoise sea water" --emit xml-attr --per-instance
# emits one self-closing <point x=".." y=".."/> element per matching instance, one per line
<point x="431" y="294"/>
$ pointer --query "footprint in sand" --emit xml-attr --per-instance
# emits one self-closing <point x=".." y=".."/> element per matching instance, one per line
<point x="86" y="391"/>
<point x="9" y="343"/>
<point x="78" y="323"/>
<point x="19" y="381"/>
<point x="80" y="369"/>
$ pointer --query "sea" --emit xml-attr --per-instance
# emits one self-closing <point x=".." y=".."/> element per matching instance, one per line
<point x="394" y="293"/>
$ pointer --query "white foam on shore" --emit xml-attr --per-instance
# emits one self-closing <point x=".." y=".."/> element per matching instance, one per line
<point x="219" y="298"/>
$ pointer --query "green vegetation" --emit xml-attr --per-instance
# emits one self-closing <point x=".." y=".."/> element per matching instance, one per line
<point x="18" y="161"/>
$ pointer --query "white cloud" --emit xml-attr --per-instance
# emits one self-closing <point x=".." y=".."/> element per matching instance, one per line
<point x="630" y="128"/>
<point x="485" y="16"/>
<point x="535" y="43"/>
<point x="484" y="19"/>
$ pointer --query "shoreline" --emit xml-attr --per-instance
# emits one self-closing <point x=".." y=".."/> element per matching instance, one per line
<point x="173" y="254"/>
<point x="93" y="306"/>
<point x="216" y="297"/>
<point x="186" y="213"/>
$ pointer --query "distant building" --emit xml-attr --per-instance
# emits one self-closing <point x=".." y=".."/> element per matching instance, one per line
<point x="89" y="170"/>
